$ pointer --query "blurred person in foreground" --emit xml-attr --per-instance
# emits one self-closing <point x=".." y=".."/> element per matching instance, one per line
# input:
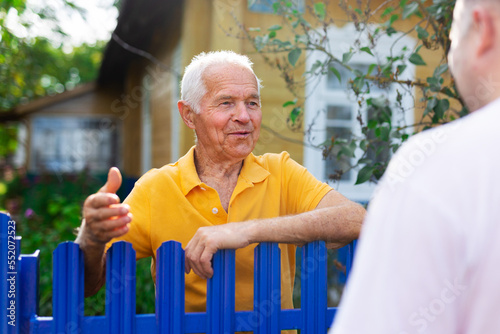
<point x="429" y="252"/>
<point x="219" y="195"/>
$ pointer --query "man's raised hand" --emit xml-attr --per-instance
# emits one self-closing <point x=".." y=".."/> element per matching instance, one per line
<point x="104" y="217"/>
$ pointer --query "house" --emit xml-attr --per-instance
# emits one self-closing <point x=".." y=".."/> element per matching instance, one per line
<point x="129" y="117"/>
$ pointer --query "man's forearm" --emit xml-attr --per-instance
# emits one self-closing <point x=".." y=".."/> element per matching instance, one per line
<point x="337" y="226"/>
<point x="336" y="220"/>
<point x="95" y="265"/>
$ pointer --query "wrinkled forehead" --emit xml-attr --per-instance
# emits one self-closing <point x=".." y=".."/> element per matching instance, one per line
<point x="228" y="75"/>
<point x="216" y="71"/>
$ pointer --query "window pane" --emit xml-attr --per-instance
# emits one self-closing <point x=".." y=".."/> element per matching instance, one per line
<point x="266" y="6"/>
<point x="70" y="144"/>
<point x="376" y="152"/>
<point x="333" y="81"/>
<point x="339" y="112"/>
<point x="332" y="164"/>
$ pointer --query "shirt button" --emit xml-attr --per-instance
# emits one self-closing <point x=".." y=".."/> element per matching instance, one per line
<point x="215" y="211"/>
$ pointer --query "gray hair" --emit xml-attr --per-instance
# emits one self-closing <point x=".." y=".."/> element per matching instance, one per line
<point x="193" y="84"/>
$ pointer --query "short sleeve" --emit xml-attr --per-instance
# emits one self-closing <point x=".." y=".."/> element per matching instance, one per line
<point x="302" y="190"/>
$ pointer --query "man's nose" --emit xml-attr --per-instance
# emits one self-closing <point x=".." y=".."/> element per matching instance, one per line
<point x="241" y="113"/>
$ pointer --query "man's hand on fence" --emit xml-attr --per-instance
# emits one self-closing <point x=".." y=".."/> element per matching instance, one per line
<point x="104" y="218"/>
<point x="208" y="240"/>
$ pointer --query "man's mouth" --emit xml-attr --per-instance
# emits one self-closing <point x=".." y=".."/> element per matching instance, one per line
<point x="240" y="133"/>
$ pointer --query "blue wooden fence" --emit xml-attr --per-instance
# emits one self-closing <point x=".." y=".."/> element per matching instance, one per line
<point x="19" y="292"/>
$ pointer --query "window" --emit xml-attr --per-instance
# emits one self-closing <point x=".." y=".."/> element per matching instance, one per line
<point x="333" y="111"/>
<point x="266" y="6"/>
<point x="71" y="144"/>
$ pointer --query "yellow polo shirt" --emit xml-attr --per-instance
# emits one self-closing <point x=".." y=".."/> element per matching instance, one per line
<point x="171" y="203"/>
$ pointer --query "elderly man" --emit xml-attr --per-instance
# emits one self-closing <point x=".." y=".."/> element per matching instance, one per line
<point x="219" y="195"/>
<point x="429" y="252"/>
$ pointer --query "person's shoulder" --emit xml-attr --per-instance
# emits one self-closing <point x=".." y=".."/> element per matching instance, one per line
<point x="273" y="157"/>
<point x="270" y="160"/>
<point x="154" y="176"/>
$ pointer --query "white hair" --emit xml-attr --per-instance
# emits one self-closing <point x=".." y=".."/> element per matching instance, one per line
<point x="193" y="84"/>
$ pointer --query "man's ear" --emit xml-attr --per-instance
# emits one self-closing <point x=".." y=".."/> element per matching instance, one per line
<point x="484" y="24"/>
<point x="187" y="113"/>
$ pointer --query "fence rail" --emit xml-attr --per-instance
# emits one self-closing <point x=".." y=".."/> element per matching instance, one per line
<point x="19" y="292"/>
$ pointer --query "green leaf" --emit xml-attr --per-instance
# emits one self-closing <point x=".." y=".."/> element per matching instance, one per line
<point x="416" y="59"/>
<point x="441" y="107"/>
<point x="274" y="27"/>
<point x="393" y="18"/>
<point x="293" y="56"/>
<point x="440" y="70"/>
<point x="390" y="31"/>
<point x="367" y="50"/>
<point x="434" y="84"/>
<point x="431" y="104"/>
<point x="364" y="174"/>
<point x="371" y="68"/>
<point x="347" y="151"/>
<point x="289" y="103"/>
<point x="272" y="34"/>
<point x="372" y="124"/>
<point x="410" y="9"/>
<point x="254" y="29"/>
<point x="294" y="114"/>
<point x="387" y="11"/>
<point x="401" y="69"/>
<point x="319" y="10"/>
<point x="363" y="145"/>
<point x="315" y="66"/>
<point x="337" y="73"/>
<point x="421" y="32"/>
<point x="383" y="133"/>
<point x="346" y="57"/>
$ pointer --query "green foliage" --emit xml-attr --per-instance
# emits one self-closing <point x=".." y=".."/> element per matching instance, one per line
<point x="430" y="24"/>
<point x="47" y="210"/>
<point x="32" y="67"/>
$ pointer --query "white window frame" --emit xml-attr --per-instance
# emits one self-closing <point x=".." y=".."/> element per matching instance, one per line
<point x="318" y="97"/>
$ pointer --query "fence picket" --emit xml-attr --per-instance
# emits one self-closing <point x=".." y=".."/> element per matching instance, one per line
<point x="220" y="293"/>
<point x="120" y="288"/>
<point x="267" y="288"/>
<point x="314" y="288"/>
<point x="28" y="289"/>
<point x="67" y="297"/>
<point x="170" y="286"/>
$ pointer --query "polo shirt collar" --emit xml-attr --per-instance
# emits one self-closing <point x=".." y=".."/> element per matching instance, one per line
<point x="189" y="176"/>
<point x="252" y="172"/>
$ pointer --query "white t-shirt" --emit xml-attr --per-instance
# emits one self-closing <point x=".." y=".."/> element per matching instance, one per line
<point x="428" y="259"/>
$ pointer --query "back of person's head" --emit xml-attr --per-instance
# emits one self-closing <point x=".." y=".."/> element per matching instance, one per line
<point x="193" y="86"/>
